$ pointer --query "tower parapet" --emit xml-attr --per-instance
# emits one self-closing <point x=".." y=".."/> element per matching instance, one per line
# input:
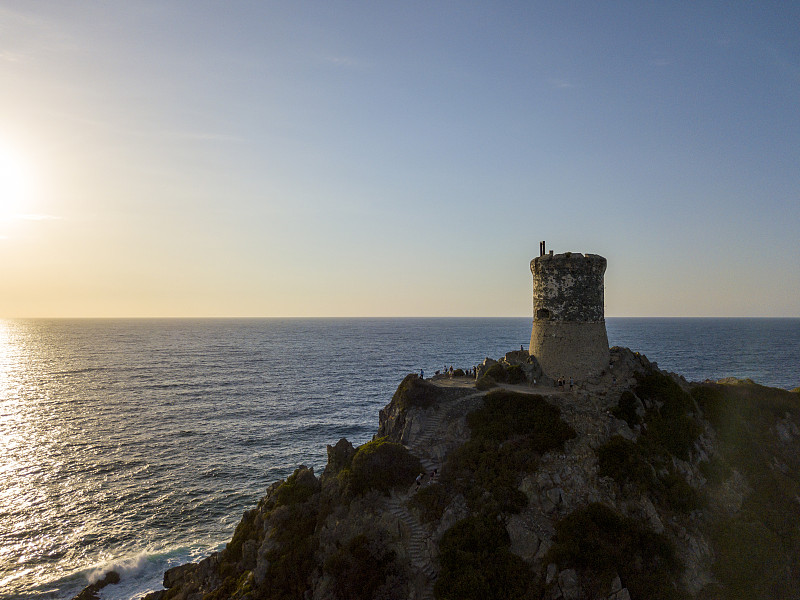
<point x="569" y="336"/>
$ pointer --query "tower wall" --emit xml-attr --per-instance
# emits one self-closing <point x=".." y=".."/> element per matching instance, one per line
<point x="568" y="336"/>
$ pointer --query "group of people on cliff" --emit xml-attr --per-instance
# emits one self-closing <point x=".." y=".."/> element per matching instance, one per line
<point x="452" y="372"/>
<point x="561" y="383"/>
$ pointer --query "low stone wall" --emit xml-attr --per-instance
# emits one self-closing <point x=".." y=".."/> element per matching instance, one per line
<point x="568" y="349"/>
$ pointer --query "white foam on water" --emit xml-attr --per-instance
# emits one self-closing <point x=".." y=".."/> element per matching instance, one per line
<point x="143" y="572"/>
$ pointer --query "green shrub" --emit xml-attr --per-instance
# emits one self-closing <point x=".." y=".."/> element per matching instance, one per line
<point x="505" y="414"/>
<point x="672" y="427"/>
<point x="749" y="560"/>
<point x="626" y="409"/>
<point x="657" y="387"/>
<point x="459" y="373"/>
<point x="298" y="487"/>
<point x="497" y="372"/>
<point x="675" y="435"/>
<point x="711" y="400"/>
<point x="487" y="476"/>
<point x="431" y="502"/>
<point x="715" y="470"/>
<point x="291" y="560"/>
<point x="476" y="563"/>
<point x="600" y="542"/>
<point x="414" y="391"/>
<point x="679" y="495"/>
<point x="628" y="462"/>
<point x="485" y="383"/>
<point x="508" y="434"/>
<point x="360" y="568"/>
<point x="625" y="461"/>
<point x="380" y="465"/>
<point x="516" y="374"/>
<point x="756" y="551"/>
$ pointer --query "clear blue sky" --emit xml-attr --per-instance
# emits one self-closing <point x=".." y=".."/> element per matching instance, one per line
<point x="398" y="159"/>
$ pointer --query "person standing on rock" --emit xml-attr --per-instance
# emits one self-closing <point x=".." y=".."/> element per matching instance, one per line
<point x="419" y="479"/>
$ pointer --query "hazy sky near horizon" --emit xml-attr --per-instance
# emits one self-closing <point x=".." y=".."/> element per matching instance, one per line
<point x="396" y="158"/>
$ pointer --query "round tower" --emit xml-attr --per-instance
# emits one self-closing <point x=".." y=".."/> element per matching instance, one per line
<point x="569" y="337"/>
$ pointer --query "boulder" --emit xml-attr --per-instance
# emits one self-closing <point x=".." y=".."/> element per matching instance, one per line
<point x="484" y="366"/>
<point x="91" y="592"/>
<point x="569" y="585"/>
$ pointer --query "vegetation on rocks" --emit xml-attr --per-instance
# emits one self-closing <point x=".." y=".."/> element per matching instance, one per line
<point x="630" y="463"/>
<point x="508" y="434"/>
<point x="670" y="428"/>
<point x="705" y="489"/>
<point x="361" y="568"/>
<point x="602" y="544"/>
<point x="626" y="409"/>
<point x="477" y="563"/>
<point x="379" y="465"/>
<point x="430" y="502"/>
<point x="757" y="436"/>
<point x="672" y="420"/>
<point x="516" y="374"/>
<point x="414" y="391"/>
<point x="495" y="374"/>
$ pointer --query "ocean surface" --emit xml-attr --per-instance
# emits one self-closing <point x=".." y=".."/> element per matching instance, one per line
<point x="137" y="444"/>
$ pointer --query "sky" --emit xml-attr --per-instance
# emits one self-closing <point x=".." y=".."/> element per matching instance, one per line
<point x="278" y="159"/>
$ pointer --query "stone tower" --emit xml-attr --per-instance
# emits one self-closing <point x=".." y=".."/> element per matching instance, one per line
<point x="569" y="337"/>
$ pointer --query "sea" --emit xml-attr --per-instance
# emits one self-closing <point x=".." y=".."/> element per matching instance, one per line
<point x="136" y="445"/>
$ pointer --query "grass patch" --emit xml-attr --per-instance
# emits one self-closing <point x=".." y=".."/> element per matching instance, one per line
<point x="477" y="563"/>
<point x="601" y="543"/>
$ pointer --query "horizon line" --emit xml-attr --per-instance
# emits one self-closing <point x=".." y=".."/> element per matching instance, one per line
<point x="266" y="317"/>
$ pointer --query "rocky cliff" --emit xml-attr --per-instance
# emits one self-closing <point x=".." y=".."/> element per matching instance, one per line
<point x="636" y="484"/>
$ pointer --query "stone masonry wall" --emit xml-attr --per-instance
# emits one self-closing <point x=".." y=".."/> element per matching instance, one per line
<point x="565" y="349"/>
<point x="568" y="287"/>
<point x="568" y="336"/>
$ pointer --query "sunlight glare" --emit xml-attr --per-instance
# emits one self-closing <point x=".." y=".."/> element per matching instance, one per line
<point x="14" y="184"/>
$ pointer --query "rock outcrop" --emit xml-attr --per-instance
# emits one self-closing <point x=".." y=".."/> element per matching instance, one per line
<point x="635" y="484"/>
<point x="92" y="591"/>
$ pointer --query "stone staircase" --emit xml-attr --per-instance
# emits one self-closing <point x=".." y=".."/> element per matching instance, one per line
<point x="396" y="503"/>
<point x="417" y="552"/>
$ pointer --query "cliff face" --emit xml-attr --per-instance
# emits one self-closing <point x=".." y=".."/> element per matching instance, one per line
<point x="633" y="485"/>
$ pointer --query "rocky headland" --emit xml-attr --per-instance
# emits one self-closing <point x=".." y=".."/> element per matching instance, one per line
<point x="633" y="485"/>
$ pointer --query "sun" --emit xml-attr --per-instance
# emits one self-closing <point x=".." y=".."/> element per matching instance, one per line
<point x="14" y="184"/>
